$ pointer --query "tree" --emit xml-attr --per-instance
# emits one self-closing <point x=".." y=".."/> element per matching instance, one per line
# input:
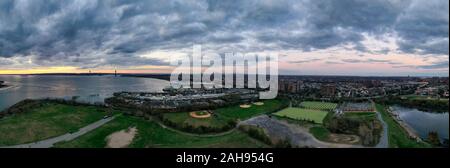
<point x="433" y="138"/>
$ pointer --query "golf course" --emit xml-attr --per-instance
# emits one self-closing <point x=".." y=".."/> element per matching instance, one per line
<point x="316" y="116"/>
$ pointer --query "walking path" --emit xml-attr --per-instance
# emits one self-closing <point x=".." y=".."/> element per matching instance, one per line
<point x="48" y="143"/>
<point x="384" y="140"/>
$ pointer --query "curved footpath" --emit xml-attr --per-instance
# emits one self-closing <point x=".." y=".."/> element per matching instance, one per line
<point x="48" y="143"/>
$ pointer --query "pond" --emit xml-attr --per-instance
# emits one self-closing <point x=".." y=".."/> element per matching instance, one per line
<point x="424" y="122"/>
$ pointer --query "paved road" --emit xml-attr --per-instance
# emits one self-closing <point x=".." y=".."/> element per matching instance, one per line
<point x="48" y="143"/>
<point x="384" y="141"/>
<point x="299" y="136"/>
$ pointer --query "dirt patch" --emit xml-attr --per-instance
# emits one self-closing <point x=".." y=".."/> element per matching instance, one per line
<point x="203" y="114"/>
<point x="122" y="138"/>
<point x="345" y="139"/>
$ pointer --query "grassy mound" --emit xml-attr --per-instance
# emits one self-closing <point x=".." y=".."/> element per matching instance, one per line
<point x="47" y="120"/>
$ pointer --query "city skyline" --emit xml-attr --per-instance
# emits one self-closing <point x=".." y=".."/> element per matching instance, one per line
<point x="376" y="38"/>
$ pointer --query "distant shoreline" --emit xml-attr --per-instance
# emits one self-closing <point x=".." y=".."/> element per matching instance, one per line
<point x="167" y="75"/>
<point x="5" y="87"/>
<point x="155" y="76"/>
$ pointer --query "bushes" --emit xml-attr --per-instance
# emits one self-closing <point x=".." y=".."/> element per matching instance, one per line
<point x="423" y="105"/>
<point x="257" y="133"/>
<point x="21" y="107"/>
<point x="285" y="143"/>
<point x="28" y="104"/>
<point x="368" y="128"/>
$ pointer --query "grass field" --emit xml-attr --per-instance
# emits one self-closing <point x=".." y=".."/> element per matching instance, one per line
<point x="420" y="97"/>
<point x="320" y="132"/>
<point x="303" y="114"/>
<point x="185" y="119"/>
<point x="47" y="121"/>
<point x="150" y="134"/>
<point x="235" y="112"/>
<point x="318" y="105"/>
<point x="398" y="138"/>
<point x="222" y="120"/>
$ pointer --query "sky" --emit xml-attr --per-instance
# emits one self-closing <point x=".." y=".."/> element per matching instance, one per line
<point x="311" y="37"/>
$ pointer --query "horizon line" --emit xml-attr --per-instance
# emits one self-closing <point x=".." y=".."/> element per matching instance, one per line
<point x="329" y="75"/>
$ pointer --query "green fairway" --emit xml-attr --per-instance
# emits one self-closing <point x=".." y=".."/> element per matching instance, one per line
<point x="236" y="112"/>
<point x="186" y="119"/>
<point x="222" y="120"/>
<point x="318" y="105"/>
<point x="183" y="121"/>
<point x="303" y="114"/>
<point x="47" y="121"/>
<point x="150" y="134"/>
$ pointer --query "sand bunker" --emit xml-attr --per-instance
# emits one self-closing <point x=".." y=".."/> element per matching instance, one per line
<point x="203" y="114"/>
<point x="245" y="106"/>
<point x="122" y="138"/>
<point x="258" y="103"/>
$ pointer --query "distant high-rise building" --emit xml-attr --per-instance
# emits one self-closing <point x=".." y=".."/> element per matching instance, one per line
<point x="289" y="86"/>
<point x="328" y="90"/>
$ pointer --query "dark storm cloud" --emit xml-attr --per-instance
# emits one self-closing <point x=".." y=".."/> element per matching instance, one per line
<point x="423" y="27"/>
<point x="437" y="65"/>
<point x="90" y="33"/>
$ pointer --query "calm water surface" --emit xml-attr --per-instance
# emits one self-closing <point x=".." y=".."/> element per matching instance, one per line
<point x="91" y="89"/>
<point x="424" y="122"/>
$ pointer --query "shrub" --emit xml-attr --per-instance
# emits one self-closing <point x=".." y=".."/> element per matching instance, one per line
<point x="256" y="132"/>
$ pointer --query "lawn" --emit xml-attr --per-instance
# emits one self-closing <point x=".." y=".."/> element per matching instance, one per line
<point x="303" y="114"/>
<point x="320" y="132"/>
<point x="222" y="120"/>
<point x="398" y="138"/>
<point x="47" y="121"/>
<point x="420" y="97"/>
<point x="236" y="112"/>
<point x="185" y="119"/>
<point x="150" y="134"/>
<point x="318" y="105"/>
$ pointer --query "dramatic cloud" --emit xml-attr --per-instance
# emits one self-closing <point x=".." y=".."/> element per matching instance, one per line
<point x="304" y="61"/>
<point x="370" y="61"/>
<point x="438" y="65"/>
<point x="423" y="27"/>
<point x="94" y="33"/>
